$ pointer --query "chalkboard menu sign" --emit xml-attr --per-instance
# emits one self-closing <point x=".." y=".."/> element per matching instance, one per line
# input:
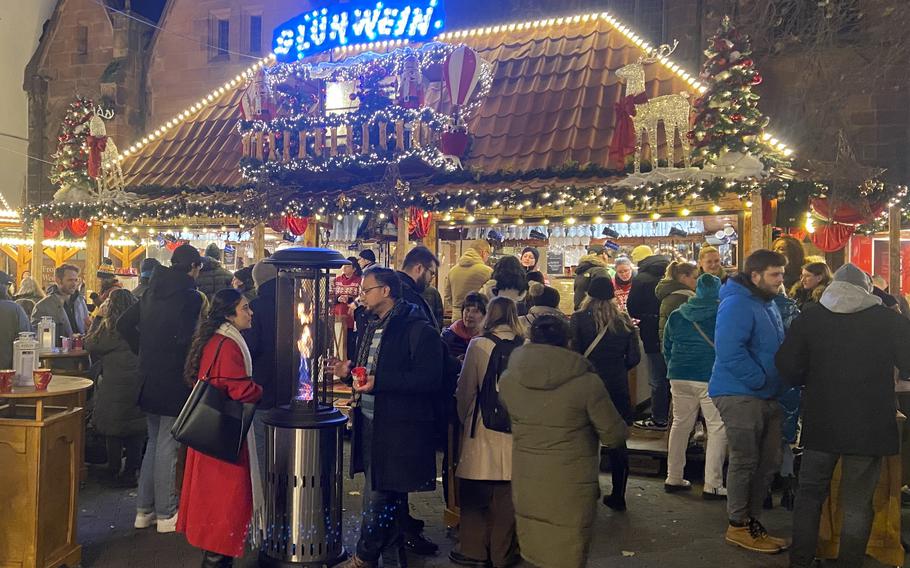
<point x="555" y="262"/>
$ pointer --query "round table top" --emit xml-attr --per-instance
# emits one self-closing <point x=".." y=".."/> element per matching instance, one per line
<point x="61" y="354"/>
<point x="59" y="385"/>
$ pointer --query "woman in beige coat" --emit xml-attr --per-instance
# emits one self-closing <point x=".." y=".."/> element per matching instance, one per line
<point x="487" y="527"/>
<point x="560" y="413"/>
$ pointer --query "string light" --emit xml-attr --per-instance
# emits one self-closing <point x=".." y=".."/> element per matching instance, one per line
<point x="182" y="116"/>
<point x="53" y="243"/>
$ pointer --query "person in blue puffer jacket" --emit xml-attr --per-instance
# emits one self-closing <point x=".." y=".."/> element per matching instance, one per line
<point x="745" y="386"/>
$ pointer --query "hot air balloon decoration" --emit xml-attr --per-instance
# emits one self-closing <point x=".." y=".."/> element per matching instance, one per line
<point x="462" y="74"/>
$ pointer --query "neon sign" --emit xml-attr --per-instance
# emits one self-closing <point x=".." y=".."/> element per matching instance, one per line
<point x="338" y="25"/>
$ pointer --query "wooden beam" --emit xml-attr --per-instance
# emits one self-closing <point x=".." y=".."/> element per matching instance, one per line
<point x="311" y="235"/>
<point x="94" y="245"/>
<point x="757" y="228"/>
<point x="894" y="250"/>
<point x="258" y="242"/>
<point x="401" y="248"/>
<point x="37" y="247"/>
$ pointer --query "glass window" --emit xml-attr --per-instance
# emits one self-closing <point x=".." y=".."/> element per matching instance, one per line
<point x="255" y="34"/>
<point x="224" y="29"/>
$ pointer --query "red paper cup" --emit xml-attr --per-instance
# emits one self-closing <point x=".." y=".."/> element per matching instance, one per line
<point x="6" y="379"/>
<point x="360" y="373"/>
<point x="42" y="378"/>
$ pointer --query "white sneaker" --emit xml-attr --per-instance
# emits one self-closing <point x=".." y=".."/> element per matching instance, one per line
<point x="714" y="493"/>
<point x="144" y="520"/>
<point x="168" y="525"/>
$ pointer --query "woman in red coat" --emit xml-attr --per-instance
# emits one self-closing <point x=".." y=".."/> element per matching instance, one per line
<point x="216" y="503"/>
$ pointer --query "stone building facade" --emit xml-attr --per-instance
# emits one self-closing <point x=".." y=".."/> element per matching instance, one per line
<point x="152" y="74"/>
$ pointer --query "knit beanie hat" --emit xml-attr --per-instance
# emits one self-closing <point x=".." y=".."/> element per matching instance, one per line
<point x="707" y="287"/>
<point x="368" y="255"/>
<point x="852" y="275"/>
<point x="212" y="251"/>
<point x="640" y="253"/>
<point x="533" y="251"/>
<point x="186" y="255"/>
<point x="601" y="288"/>
<point x="542" y="295"/>
<point x="264" y="272"/>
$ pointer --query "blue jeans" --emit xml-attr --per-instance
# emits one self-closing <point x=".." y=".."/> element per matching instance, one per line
<point x="158" y="476"/>
<point x="660" y="388"/>
<point x="381" y="521"/>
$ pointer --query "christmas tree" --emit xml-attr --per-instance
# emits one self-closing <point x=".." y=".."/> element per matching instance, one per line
<point x="727" y="117"/>
<point x="71" y="157"/>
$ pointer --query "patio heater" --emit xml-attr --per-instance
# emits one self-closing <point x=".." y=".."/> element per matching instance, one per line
<point x="303" y="469"/>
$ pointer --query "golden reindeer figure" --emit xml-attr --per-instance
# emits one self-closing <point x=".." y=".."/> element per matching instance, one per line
<point x="673" y="110"/>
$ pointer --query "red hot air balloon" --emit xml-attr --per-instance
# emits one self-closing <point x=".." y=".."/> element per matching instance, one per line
<point x="462" y="73"/>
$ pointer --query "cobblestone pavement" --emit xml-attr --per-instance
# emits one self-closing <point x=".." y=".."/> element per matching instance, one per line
<point x="658" y="530"/>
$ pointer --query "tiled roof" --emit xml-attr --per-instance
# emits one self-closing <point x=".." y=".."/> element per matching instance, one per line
<point x="202" y="151"/>
<point x="551" y="103"/>
<point x="553" y="94"/>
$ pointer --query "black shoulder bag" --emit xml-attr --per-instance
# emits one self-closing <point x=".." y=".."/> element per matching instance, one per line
<point x="213" y="423"/>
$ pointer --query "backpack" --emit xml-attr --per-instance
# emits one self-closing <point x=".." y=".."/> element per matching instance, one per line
<point x="487" y="404"/>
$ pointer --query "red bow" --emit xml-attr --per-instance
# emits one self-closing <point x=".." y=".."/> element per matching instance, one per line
<point x="623" y="142"/>
<point x="419" y="222"/>
<point x="96" y="145"/>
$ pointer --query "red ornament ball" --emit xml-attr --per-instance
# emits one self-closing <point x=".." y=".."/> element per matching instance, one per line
<point x="736" y="117"/>
<point x="757" y="79"/>
<point x="747" y="63"/>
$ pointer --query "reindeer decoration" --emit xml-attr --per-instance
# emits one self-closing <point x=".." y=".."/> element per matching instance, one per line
<point x="673" y="110"/>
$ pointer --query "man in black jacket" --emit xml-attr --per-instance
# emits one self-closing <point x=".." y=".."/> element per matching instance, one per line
<point x="844" y="350"/>
<point x="160" y="329"/>
<point x="418" y="270"/>
<point x="590" y="266"/>
<point x="394" y="444"/>
<point x="644" y="306"/>
<point x="261" y="341"/>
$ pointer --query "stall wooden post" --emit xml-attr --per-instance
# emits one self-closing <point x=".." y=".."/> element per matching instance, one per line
<point x="258" y="242"/>
<point x="894" y="250"/>
<point x="38" y="252"/>
<point x="21" y="255"/>
<point x="127" y="254"/>
<point x="311" y="235"/>
<point x="430" y="239"/>
<point x="94" y="244"/>
<point x="757" y="228"/>
<point x="401" y="247"/>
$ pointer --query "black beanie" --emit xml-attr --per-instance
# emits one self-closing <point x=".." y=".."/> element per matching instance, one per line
<point x="533" y="251"/>
<point x="601" y="288"/>
<point x="368" y="255"/>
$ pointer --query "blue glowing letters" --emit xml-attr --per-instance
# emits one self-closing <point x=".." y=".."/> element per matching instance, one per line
<point x="335" y="26"/>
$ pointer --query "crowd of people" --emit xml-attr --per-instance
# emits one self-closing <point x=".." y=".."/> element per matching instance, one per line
<point x="780" y="359"/>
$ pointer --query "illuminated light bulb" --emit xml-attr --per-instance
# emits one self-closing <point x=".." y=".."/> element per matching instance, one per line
<point x="494" y="220"/>
<point x="519" y="221"/>
<point x="470" y="218"/>
<point x="685" y="212"/>
<point x="546" y="221"/>
<point x="571" y="220"/>
<point x="655" y="215"/>
<point x="715" y="208"/>
<point x="788" y="152"/>
<point x="361" y="217"/>
<point x="749" y="204"/>
<point x="625" y="217"/>
<point x="598" y="219"/>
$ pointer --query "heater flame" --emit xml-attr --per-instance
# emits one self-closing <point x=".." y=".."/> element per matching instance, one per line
<point x="305" y="345"/>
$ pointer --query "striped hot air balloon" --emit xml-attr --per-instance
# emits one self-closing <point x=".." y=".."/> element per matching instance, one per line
<point x="462" y="72"/>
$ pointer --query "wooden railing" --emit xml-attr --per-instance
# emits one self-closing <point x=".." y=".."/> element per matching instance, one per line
<point x="381" y="138"/>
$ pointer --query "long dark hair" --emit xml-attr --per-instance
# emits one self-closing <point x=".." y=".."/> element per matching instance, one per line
<point x="224" y="304"/>
<point x="118" y="302"/>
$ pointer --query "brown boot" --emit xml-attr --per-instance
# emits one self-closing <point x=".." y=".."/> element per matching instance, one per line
<point x="355" y="562"/>
<point x="783" y="543"/>
<point x="750" y="537"/>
